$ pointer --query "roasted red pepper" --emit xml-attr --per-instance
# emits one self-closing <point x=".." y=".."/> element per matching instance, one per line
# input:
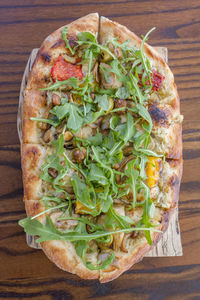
<point x="156" y="80"/>
<point x="63" y="70"/>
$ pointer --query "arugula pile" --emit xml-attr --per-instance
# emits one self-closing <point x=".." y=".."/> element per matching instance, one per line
<point x="94" y="181"/>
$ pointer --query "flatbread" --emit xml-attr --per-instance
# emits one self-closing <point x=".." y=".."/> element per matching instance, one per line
<point x="164" y="108"/>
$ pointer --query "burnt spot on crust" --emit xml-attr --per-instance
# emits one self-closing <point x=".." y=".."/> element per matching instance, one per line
<point x="32" y="156"/>
<point x="46" y="78"/>
<point x="158" y="115"/>
<point x="59" y="43"/>
<point x="174" y="180"/>
<point x="46" y="57"/>
<point x="72" y="40"/>
<point x="36" y="206"/>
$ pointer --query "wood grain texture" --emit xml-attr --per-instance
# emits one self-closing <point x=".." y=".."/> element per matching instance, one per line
<point x="26" y="273"/>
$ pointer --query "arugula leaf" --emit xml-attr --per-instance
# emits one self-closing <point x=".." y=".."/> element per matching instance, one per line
<point x="71" y="82"/>
<point x="64" y="37"/>
<point x="97" y="157"/>
<point x="34" y="227"/>
<point x="95" y="140"/>
<point x="48" y="231"/>
<point x="106" y="73"/>
<point x="114" y="220"/>
<point x="136" y="88"/>
<point x="75" y="116"/>
<point x="50" y="209"/>
<point x="96" y="174"/>
<point x="124" y="131"/>
<point x="87" y="36"/>
<point x="116" y="68"/>
<point x="102" y="101"/>
<point x="105" y="199"/>
<point x="109" y="141"/>
<point x="132" y="174"/>
<point x="143" y="58"/>
<point x="104" y="264"/>
<point x="129" y="129"/>
<point x="54" y="121"/>
<point x="114" y="122"/>
<point x="82" y="192"/>
<point x="149" y="152"/>
<point x="143" y="112"/>
<point x="145" y="217"/>
<point x="122" y="93"/>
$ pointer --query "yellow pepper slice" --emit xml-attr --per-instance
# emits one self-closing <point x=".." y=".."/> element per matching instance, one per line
<point x="153" y="168"/>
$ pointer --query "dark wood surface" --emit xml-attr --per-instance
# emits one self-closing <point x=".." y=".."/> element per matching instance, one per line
<point x="26" y="273"/>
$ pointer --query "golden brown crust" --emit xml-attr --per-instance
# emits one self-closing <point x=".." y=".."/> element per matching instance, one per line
<point x="63" y="254"/>
<point x="34" y="99"/>
<point x="33" y="207"/>
<point x="175" y="180"/>
<point x="32" y="157"/>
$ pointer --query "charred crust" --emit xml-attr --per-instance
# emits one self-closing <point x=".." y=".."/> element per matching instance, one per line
<point x="32" y="155"/>
<point x="36" y="205"/>
<point x="59" y="43"/>
<point x="46" y="57"/>
<point x="174" y="181"/>
<point x="158" y="115"/>
<point x="72" y="40"/>
<point x="46" y="79"/>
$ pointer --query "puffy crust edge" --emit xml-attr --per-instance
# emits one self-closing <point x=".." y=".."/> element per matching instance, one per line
<point x="64" y="256"/>
<point x="32" y="157"/>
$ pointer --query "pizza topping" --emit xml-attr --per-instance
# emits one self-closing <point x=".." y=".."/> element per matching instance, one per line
<point x="48" y="136"/>
<point x="70" y="59"/>
<point x="56" y="99"/>
<point x="153" y="169"/>
<point x="156" y="79"/>
<point x="79" y="154"/>
<point x="42" y="125"/>
<point x="119" y="103"/>
<point x="63" y="70"/>
<point x="67" y="136"/>
<point x="53" y="172"/>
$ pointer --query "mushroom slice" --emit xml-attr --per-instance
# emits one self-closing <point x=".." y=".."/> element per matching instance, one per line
<point x="108" y="79"/>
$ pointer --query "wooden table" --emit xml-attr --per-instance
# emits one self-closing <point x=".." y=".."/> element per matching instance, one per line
<point x="26" y="273"/>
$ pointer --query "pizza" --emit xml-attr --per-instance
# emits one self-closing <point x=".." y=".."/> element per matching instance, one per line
<point x="102" y="148"/>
